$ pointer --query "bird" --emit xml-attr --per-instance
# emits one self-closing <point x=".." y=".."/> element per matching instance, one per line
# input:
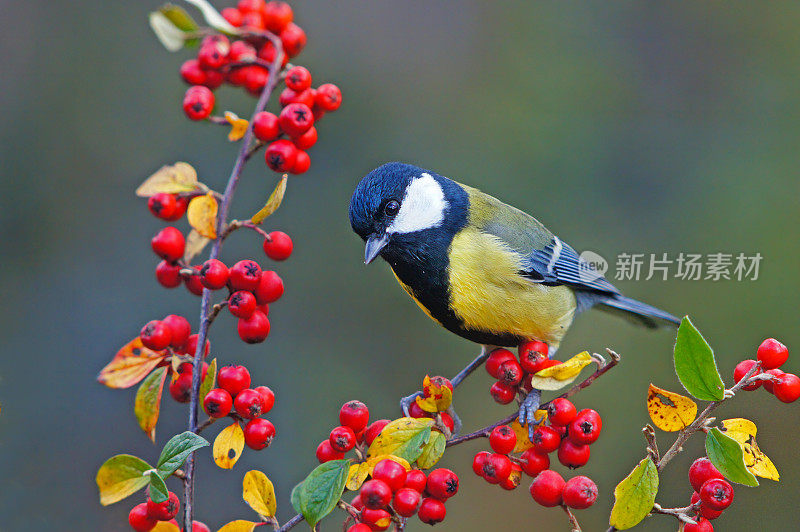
<point x="479" y="267"/>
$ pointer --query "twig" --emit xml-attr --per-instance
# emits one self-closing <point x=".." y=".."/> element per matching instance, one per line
<point x="652" y="446"/>
<point x="205" y="305"/>
<point x="681" y="513"/>
<point x="291" y="523"/>
<point x="573" y="521"/>
<point x="207" y="423"/>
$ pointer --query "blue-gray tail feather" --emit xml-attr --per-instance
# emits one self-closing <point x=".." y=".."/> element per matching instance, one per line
<point x="637" y="311"/>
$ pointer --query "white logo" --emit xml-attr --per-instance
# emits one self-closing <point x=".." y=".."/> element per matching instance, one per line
<point x="592" y="266"/>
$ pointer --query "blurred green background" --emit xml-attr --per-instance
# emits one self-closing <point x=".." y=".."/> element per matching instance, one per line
<point x="625" y="127"/>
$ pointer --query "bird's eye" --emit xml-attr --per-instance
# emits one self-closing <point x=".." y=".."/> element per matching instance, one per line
<point x="391" y="208"/>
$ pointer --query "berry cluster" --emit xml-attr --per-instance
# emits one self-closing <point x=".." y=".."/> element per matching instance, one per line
<point x="354" y="431"/>
<point x="145" y="516"/>
<point x="712" y="494"/>
<point x="244" y="63"/>
<point x="250" y="289"/>
<point x="772" y="355"/>
<point x="395" y="491"/>
<point x="514" y="376"/>
<point x="234" y="397"/>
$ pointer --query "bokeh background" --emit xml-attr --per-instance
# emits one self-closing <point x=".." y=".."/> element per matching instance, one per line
<point x="626" y="127"/>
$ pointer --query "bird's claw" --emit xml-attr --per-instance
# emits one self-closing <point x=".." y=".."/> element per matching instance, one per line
<point x="527" y="411"/>
<point x="405" y="402"/>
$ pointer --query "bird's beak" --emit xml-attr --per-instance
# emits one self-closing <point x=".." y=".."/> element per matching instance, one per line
<point x="375" y="243"/>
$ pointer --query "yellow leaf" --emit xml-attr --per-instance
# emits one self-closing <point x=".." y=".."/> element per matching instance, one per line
<point x="670" y="411"/>
<point x="238" y="126"/>
<point x="273" y="202"/>
<point x="437" y="395"/>
<point x="228" y="446"/>
<point x="634" y="496"/>
<point x="743" y="431"/>
<point x="130" y="365"/>
<point x="180" y="177"/>
<point x="356" y="476"/>
<point x="372" y="461"/>
<point x="202" y="215"/>
<point x="121" y="476"/>
<point x="556" y="377"/>
<point x="239" y="525"/>
<point x="258" y="492"/>
<point x="195" y="242"/>
<point x="404" y="437"/>
<point x="147" y="404"/>
<point x="165" y="526"/>
<point x="523" y="442"/>
<point x="433" y="451"/>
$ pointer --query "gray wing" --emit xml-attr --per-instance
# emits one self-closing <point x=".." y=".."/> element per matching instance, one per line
<point x="558" y="263"/>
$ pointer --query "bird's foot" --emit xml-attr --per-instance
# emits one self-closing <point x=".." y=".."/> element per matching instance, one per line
<point x="405" y="402"/>
<point x="527" y="411"/>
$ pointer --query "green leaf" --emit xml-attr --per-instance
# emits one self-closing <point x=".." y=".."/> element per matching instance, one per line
<point x="158" y="490"/>
<point x="432" y="451"/>
<point x="635" y="496"/>
<point x="404" y="437"/>
<point x="179" y="17"/>
<point x="119" y="477"/>
<point x="726" y="455"/>
<point x="170" y="35"/>
<point x="147" y="404"/>
<point x="211" y="378"/>
<point x="212" y="16"/>
<point x="318" y="494"/>
<point x="176" y="450"/>
<point x="695" y="364"/>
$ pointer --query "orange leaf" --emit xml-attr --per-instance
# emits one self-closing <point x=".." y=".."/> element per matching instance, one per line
<point x="238" y="126"/>
<point x="437" y="395"/>
<point x="202" y="215"/>
<point x="130" y="365"/>
<point x="670" y="411"/>
<point x="148" y="401"/>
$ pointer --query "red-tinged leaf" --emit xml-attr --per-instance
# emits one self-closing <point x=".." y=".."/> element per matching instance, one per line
<point x="148" y="401"/>
<point x="130" y="365"/>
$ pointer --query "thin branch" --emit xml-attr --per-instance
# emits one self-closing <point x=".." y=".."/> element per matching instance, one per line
<point x="291" y="523"/>
<point x="681" y="513"/>
<point x="207" y="423"/>
<point x="205" y="305"/>
<point x="652" y="445"/>
<point x="573" y="521"/>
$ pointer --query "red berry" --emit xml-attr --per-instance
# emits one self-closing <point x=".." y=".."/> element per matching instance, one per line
<point x="701" y="471"/>
<point x="241" y="51"/>
<point x="305" y="141"/>
<point x="254" y="329"/>
<point x="573" y="455"/>
<point x="212" y="56"/>
<point x="281" y="155"/>
<point x="191" y="346"/>
<point x="496" y="358"/>
<point x="156" y="335"/>
<point x="503" y="393"/>
<point x="295" y="119"/>
<point x="232" y="15"/>
<point x="342" y="439"/>
<point x="180" y="388"/>
<point x="267" y="398"/>
<point x="741" y="370"/>
<point x="169" y="244"/>
<point x="242" y="304"/>
<point x="278" y="246"/>
<point x="193" y="283"/>
<point x="585" y="428"/>
<point x="269" y="289"/>
<point x="772" y="354"/>
<point x="716" y="493"/>
<point x="547" y="488"/>
<point x="416" y="480"/>
<point x="191" y="72"/>
<point x="513" y="480"/>
<point x="293" y="39"/>
<point x="258" y="433"/>
<point x="416" y="411"/>
<point x="510" y="372"/>
<point x="168" y="274"/>
<point x="277" y="15"/>
<point x="448" y="421"/>
<point x="579" y="492"/>
<point x="214" y="274"/>
<point x="248" y="404"/>
<point x="443" y="483"/>
<point x="245" y="275"/>
<point x="406" y="501"/>
<point x="214" y="79"/>
<point x="255" y="77"/>
<point x="702" y="526"/>
<point x="479" y="461"/>
<point x="217" y="403"/>
<point x="162" y="205"/>
<point x="534" y="463"/>
<point x="198" y="526"/>
<point x="532" y="356"/>
<point x="180" y="330"/>
<point x="390" y="472"/>
<point x="704" y="510"/>
<point x="306" y="97"/>
<point x="250" y="6"/>
<point x="233" y="379"/>
<point x="373" y="430"/>
<point x="376" y="519"/>
<point x="546" y="439"/>
<point x="181" y="204"/>
<point x="164" y="511"/>
<point x="502" y="439"/>
<point x="359" y="527"/>
<point x="496" y="468"/>
<point x="375" y="494"/>
<point x="432" y="511"/>
<point x="140" y="520"/>
<point x="770" y="384"/>
<point x="253" y="20"/>
<point x="198" y="102"/>
<point x="298" y="78"/>
<point x="787" y="388"/>
<point x="265" y="126"/>
<point x="354" y="414"/>
<point x="326" y="453"/>
<point x="328" y="97"/>
<point x="302" y="162"/>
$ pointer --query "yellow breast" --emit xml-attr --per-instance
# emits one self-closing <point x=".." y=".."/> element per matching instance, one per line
<point x="488" y="293"/>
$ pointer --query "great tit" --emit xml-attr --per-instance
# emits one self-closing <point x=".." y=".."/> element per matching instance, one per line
<point x="480" y="268"/>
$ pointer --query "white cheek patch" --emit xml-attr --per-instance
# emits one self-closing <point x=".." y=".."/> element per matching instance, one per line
<point x="422" y="208"/>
